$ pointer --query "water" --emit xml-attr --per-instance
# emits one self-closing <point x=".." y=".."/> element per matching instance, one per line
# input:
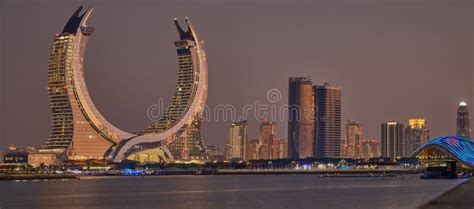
<point x="222" y="192"/>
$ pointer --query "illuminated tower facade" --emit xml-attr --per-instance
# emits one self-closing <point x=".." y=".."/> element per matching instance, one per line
<point x="369" y="149"/>
<point x="235" y="149"/>
<point x="353" y="140"/>
<point x="252" y="148"/>
<point x="187" y="143"/>
<point x="300" y="117"/>
<point x="179" y="128"/>
<point x="463" y="126"/>
<point x="416" y="134"/>
<point x="80" y="132"/>
<point x="78" y="129"/>
<point x="268" y="134"/>
<point x="279" y="149"/>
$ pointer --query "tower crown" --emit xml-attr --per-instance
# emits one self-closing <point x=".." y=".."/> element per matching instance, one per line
<point x="75" y="20"/>
<point x="184" y="35"/>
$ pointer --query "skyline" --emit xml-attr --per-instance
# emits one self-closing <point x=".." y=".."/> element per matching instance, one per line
<point x="155" y="70"/>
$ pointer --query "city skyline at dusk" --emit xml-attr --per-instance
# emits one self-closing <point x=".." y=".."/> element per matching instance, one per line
<point x="402" y="67"/>
<point x="213" y="104"/>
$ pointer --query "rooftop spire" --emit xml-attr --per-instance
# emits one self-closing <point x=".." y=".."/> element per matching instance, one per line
<point x="75" y="20"/>
<point x="184" y="35"/>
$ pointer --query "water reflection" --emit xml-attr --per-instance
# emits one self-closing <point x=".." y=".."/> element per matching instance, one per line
<point x="208" y="192"/>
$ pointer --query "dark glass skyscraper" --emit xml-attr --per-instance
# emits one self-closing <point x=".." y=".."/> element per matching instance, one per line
<point x="300" y="118"/>
<point x="463" y="126"/>
<point x="392" y="139"/>
<point x="327" y="123"/>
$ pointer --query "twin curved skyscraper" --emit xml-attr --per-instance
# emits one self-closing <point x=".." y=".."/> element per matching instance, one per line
<point x="80" y="132"/>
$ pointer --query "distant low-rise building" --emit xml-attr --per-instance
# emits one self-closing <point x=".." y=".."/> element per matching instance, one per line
<point x="16" y="158"/>
<point x="30" y="156"/>
<point x="252" y="149"/>
<point x="370" y="149"/>
<point x="14" y="148"/>
<point x="280" y="149"/>
<point x="37" y="159"/>
<point x="214" y="154"/>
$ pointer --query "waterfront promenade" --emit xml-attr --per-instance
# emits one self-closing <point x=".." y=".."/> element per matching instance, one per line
<point x="460" y="197"/>
<point x="166" y="172"/>
<point x="313" y="171"/>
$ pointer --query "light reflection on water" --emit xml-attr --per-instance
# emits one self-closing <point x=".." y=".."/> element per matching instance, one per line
<point x="221" y="192"/>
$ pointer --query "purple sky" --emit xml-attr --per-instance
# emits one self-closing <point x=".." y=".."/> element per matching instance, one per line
<point x="393" y="58"/>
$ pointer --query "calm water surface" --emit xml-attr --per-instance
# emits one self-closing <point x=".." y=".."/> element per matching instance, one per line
<point x="222" y="192"/>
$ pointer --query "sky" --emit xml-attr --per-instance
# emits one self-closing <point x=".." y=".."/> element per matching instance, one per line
<point x="394" y="59"/>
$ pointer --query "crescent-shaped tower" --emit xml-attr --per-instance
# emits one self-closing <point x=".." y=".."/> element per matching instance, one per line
<point x="78" y="129"/>
<point x="80" y="132"/>
<point x="180" y="125"/>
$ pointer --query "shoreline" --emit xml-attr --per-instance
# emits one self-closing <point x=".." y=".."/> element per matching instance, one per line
<point x="310" y="172"/>
<point x="223" y="172"/>
<point x="27" y="177"/>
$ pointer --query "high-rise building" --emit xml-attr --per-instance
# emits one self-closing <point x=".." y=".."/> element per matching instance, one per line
<point x="77" y="127"/>
<point x="353" y="139"/>
<point x="463" y="126"/>
<point x="235" y="149"/>
<point x="300" y="118"/>
<point x="392" y="139"/>
<point x="369" y="149"/>
<point x="416" y="134"/>
<point x="252" y="148"/>
<point x="179" y="128"/>
<point x="188" y="145"/>
<point x="268" y="134"/>
<point x="80" y="132"/>
<point x="327" y="123"/>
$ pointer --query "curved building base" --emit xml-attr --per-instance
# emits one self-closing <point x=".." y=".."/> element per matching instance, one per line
<point x="155" y="155"/>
